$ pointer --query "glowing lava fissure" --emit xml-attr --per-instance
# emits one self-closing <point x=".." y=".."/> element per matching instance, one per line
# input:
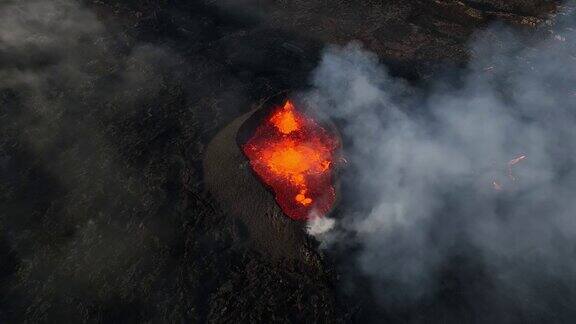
<point x="294" y="156"/>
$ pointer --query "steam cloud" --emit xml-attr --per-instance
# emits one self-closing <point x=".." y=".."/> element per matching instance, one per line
<point x="317" y="225"/>
<point x="422" y="164"/>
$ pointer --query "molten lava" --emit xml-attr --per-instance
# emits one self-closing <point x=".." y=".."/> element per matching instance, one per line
<point x="293" y="155"/>
<point x="512" y="163"/>
<point x="498" y="185"/>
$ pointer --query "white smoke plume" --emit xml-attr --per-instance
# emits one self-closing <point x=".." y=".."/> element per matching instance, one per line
<point x="317" y="226"/>
<point x="423" y="163"/>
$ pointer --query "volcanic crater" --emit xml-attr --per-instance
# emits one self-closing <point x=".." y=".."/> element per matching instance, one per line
<point x="287" y="169"/>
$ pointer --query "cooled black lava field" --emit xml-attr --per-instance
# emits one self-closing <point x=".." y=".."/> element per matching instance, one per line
<point x="125" y="196"/>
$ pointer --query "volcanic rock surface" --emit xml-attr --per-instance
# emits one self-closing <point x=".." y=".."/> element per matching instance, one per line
<point x="105" y="161"/>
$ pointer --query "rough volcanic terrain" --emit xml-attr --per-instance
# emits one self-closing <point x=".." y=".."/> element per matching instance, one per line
<point x="107" y="110"/>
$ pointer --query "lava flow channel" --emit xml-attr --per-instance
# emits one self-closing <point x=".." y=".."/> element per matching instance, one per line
<point x="293" y="155"/>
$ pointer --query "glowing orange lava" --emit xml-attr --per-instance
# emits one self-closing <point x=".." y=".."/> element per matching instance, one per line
<point x="512" y="163"/>
<point x="497" y="185"/>
<point x="293" y="155"/>
<point x="285" y="119"/>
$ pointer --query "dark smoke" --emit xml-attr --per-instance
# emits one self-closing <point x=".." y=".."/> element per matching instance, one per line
<point x="106" y="108"/>
<point x="422" y="164"/>
<point x="99" y="148"/>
